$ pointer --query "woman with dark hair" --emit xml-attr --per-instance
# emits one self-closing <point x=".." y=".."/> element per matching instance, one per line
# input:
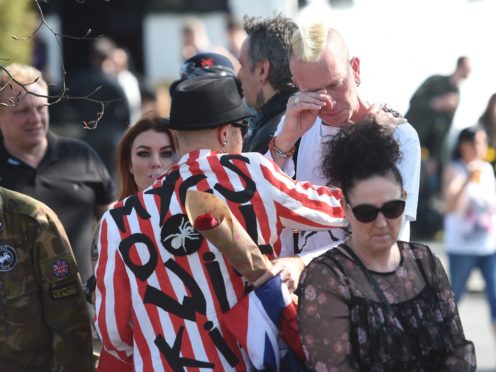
<point x="147" y="149"/>
<point x="469" y="196"/>
<point x="374" y="303"/>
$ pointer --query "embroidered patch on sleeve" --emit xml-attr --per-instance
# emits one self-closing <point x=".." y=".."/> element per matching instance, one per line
<point x="64" y="291"/>
<point x="8" y="258"/>
<point x="60" y="268"/>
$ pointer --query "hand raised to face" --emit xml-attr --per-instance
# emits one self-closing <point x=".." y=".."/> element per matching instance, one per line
<point x="301" y="111"/>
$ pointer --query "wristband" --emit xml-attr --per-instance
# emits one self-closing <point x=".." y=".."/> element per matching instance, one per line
<point x="277" y="152"/>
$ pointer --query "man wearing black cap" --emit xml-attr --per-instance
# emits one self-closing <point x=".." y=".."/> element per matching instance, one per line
<point x="162" y="288"/>
<point x="204" y="64"/>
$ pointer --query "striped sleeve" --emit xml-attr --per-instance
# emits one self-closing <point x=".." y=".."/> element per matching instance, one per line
<point x="301" y="205"/>
<point x="113" y="302"/>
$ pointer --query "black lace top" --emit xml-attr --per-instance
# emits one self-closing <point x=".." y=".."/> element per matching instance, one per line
<point x="354" y="319"/>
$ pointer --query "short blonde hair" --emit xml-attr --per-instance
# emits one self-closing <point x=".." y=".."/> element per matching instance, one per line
<point x="310" y="41"/>
<point x="24" y="74"/>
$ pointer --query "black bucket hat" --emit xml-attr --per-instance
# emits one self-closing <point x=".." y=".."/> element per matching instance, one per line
<point x="206" y="102"/>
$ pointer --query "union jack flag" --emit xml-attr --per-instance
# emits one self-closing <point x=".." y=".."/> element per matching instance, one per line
<point x="60" y="268"/>
<point x="265" y="323"/>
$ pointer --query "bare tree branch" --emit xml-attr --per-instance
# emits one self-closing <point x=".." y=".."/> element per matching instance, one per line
<point x="63" y="95"/>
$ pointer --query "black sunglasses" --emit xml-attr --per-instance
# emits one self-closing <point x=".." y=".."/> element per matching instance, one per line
<point x="243" y="126"/>
<point x="368" y="213"/>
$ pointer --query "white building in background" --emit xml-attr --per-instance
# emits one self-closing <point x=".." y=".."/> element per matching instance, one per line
<point x="162" y="33"/>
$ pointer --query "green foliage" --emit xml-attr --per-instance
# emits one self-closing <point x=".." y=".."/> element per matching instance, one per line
<point x="17" y="18"/>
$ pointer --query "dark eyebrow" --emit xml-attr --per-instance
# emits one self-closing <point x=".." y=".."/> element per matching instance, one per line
<point x="148" y="147"/>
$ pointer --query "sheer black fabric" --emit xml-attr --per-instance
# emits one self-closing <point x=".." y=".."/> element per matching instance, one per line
<point x="354" y="319"/>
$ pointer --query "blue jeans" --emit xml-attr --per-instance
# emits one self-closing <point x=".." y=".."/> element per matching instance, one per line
<point x="460" y="267"/>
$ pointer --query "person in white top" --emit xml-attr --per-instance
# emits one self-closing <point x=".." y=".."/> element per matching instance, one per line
<point x="327" y="100"/>
<point x="469" y="199"/>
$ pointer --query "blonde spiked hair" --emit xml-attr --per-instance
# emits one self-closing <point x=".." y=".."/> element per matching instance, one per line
<point x="309" y="41"/>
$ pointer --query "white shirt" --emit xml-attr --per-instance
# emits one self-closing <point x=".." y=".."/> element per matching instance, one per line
<point x="471" y="229"/>
<point x="308" y="169"/>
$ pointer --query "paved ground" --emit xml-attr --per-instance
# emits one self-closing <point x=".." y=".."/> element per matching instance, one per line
<point x="474" y="313"/>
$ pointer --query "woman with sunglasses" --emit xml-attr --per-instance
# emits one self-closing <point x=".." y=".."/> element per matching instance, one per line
<point x="374" y="303"/>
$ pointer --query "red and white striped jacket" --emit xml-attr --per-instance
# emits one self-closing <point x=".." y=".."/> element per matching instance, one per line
<point x="161" y="287"/>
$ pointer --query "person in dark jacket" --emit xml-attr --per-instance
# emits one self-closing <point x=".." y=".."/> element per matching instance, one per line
<point x="102" y="130"/>
<point x="431" y="112"/>
<point x="265" y="76"/>
<point x="45" y="323"/>
<point x="433" y="106"/>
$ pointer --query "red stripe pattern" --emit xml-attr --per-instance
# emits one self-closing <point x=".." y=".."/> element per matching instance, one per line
<point x="161" y="287"/>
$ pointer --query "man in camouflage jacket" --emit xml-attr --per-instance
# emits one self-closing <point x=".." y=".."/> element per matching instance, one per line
<point x="44" y="323"/>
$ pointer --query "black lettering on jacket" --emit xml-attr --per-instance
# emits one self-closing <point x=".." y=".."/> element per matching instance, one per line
<point x="190" y="305"/>
<point x="172" y="354"/>
<point x="141" y="271"/>
<point x="165" y="192"/>
<point x="213" y="269"/>
<point x="220" y="343"/>
<point x="188" y="183"/>
<point x="131" y="203"/>
<point x="242" y="196"/>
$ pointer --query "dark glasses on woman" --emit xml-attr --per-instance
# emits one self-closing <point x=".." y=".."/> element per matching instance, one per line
<point x="368" y="213"/>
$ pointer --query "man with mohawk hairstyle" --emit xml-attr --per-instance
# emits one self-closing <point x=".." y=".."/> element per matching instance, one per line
<point x="328" y="80"/>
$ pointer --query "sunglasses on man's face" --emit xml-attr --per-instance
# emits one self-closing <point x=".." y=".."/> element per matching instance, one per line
<point x="368" y="213"/>
<point x="243" y="126"/>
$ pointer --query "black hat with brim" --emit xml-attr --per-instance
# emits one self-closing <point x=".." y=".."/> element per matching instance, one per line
<point x="206" y="102"/>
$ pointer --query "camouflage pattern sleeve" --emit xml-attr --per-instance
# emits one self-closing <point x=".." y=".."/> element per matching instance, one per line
<point x="64" y="306"/>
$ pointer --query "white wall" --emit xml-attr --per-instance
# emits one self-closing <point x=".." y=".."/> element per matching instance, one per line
<point x="401" y="42"/>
